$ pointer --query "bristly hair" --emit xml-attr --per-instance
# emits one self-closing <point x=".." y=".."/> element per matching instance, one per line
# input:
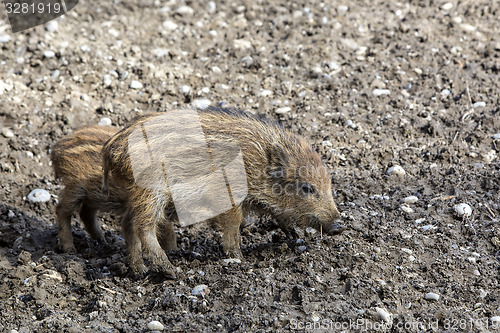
<point x="229" y="111"/>
<point x="240" y="113"/>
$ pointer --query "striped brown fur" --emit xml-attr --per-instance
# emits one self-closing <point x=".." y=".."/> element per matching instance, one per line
<point x="77" y="160"/>
<point x="272" y="157"/>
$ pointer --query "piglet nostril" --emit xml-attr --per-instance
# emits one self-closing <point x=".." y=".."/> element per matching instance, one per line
<point x="335" y="229"/>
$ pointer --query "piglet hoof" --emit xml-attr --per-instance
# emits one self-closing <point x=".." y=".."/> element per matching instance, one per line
<point x="234" y="254"/>
<point x="68" y="248"/>
<point x="170" y="275"/>
<point x="139" y="268"/>
<point x="167" y="272"/>
<point x="102" y="240"/>
<point x="335" y="229"/>
<point x="293" y="233"/>
<point x="98" y="236"/>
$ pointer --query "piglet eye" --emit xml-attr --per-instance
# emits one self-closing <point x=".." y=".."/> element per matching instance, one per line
<point x="307" y="189"/>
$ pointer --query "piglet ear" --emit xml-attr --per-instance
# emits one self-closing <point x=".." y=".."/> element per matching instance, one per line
<point x="278" y="155"/>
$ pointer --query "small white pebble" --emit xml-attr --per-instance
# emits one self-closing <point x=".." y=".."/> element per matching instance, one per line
<point x="169" y="25"/>
<point x="205" y="90"/>
<point x="39" y="195"/>
<point x="232" y="261"/>
<point x="49" y="54"/>
<point x="495" y="320"/>
<point x="211" y="7"/>
<point x="384" y="315"/>
<point x="407" y="209"/>
<point x="333" y="65"/>
<point x="479" y="105"/>
<point x="467" y="27"/>
<point x="85" y="97"/>
<point x="242" y="44"/>
<point x="380" y="92"/>
<point x="105" y="121"/>
<point x="327" y="143"/>
<point x="161" y="52"/>
<point x="55" y="74"/>
<point x="496" y="136"/>
<point x="283" y="110"/>
<point x="311" y="231"/>
<point x="379" y="197"/>
<point x="4" y="38"/>
<point x="135" y="84"/>
<point x="476" y="272"/>
<point x="184" y="10"/>
<point x="302" y="248"/>
<point x="431" y="297"/>
<point x="396" y="170"/>
<point x="445" y="93"/>
<point x="200" y="290"/>
<point x="201" y="103"/>
<point x="266" y="93"/>
<point x="7" y="132"/>
<point x="113" y="32"/>
<point x="315" y="317"/>
<point x="11" y="214"/>
<point x="428" y="227"/>
<point x="405" y="250"/>
<point x="447" y="6"/>
<point x="463" y="209"/>
<point x="490" y="156"/>
<point x="317" y="70"/>
<point x="52" y="26"/>
<point x="247" y="61"/>
<point x="410" y="199"/>
<point x="106" y="80"/>
<point x="342" y="9"/>
<point x="155" y="326"/>
<point x="185" y="90"/>
<point x="351" y="124"/>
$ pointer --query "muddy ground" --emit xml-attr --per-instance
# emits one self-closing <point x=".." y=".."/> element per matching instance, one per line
<point x="371" y="84"/>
